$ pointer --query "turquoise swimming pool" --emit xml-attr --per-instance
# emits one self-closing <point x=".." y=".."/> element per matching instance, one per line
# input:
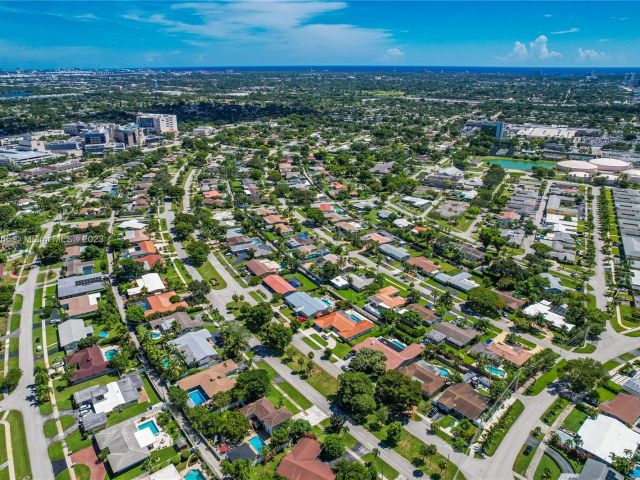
<point x="257" y="443"/>
<point x="398" y="344"/>
<point x="194" y="475"/>
<point x="109" y="354"/>
<point x="151" y="425"/>
<point x="155" y="335"/>
<point x="197" y="396"/>
<point x="497" y="372"/>
<point x="103" y="334"/>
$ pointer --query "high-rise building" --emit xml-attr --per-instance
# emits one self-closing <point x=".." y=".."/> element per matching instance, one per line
<point x="131" y="135"/>
<point x="97" y="136"/>
<point x="158" y="123"/>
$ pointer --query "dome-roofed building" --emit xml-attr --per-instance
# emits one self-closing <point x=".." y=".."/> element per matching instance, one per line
<point x="576" y="166"/>
<point x="606" y="164"/>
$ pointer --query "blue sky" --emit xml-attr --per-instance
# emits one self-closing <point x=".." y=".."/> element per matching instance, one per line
<point x="253" y="33"/>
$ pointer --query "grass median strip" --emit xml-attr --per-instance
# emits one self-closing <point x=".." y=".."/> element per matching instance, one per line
<point x="498" y="431"/>
<point x="19" y="445"/>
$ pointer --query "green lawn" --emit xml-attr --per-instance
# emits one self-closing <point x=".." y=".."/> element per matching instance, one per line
<point x="307" y="285"/>
<point x="75" y="441"/>
<point x="574" y="420"/>
<point x="611" y="364"/>
<point x="295" y="395"/>
<point x="341" y="349"/>
<point x="507" y="420"/>
<point x="151" y="393"/>
<point x="381" y="466"/>
<point x="554" y="411"/>
<point x="211" y="275"/>
<point x="19" y="443"/>
<point x="319" y="339"/>
<point x="523" y="461"/>
<point x="311" y="343"/>
<point x="50" y="428"/>
<point x="129" y="412"/>
<point x="545" y="379"/>
<point x="547" y="463"/>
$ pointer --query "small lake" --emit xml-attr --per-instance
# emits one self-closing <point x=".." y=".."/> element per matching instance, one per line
<point x="524" y="165"/>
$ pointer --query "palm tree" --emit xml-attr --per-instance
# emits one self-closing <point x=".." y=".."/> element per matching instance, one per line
<point x="376" y="453"/>
<point x="442" y="465"/>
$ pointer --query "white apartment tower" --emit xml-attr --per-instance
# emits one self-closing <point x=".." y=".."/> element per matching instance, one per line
<point x="158" y="123"/>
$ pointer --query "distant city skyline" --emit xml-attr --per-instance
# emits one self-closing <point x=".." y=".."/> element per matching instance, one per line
<point x="192" y="34"/>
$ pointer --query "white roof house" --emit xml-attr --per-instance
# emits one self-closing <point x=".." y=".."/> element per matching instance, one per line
<point x="132" y="224"/>
<point x="151" y="281"/>
<point x="605" y="436"/>
<point x="544" y="307"/>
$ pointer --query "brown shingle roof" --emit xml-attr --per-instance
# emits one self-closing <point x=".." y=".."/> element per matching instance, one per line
<point x="624" y="407"/>
<point x="431" y="382"/>
<point x="89" y="361"/>
<point x="212" y="380"/>
<point x="427" y="315"/>
<point x="463" y="399"/>
<point x="266" y="413"/>
<point x="302" y="463"/>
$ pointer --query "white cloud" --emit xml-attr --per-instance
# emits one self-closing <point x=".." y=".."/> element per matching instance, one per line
<point x="287" y="30"/>
<point x="539" y="49"/>
<point x="393" y="55"/>
<point x="564" y="32"/>
<point x="590" y="55"/>
<point x="535" y="50"/>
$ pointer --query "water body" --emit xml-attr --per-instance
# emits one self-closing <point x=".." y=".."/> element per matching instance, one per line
<point x="524" y="165"/>
<point x="14" y="94"/>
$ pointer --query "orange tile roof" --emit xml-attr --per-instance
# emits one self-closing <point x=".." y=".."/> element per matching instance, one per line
<point x="147" y="246"/>
<point x="343" y="325"/>
<point x="394" y="358"/>
<point x="212" y="194"/>
<point x="302" y="463"/>
<point x="162" y="303"/>
<point x="278" y="284"/>
<point x="390" y="297"/>
<point x="517" y="356"/>
<point x="423" y="264"/>
<point x="212" y="380"/>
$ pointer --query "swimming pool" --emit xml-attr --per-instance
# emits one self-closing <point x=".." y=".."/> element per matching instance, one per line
<point x="109" y="354"/>
<point x="103" y="334"/>
<point x="327" y="302"/>
<point x="165" y="362"/>
<point x="194" y="475"/>
<point x="636" y="472"/>
<point x="398" y="344"/>
<point x="151" y="425"/>
<point x="155" y="335"/>
<point x="88" y="269"/>
<point x="257" y="443"/>
<point x="498" y="372"/>
<point x="197" y="396"/>
<point x="444" y="373"/>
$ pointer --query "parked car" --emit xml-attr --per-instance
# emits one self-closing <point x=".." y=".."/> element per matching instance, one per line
<point x="345" y="368"/>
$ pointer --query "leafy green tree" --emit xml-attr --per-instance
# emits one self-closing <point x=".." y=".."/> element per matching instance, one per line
<point x="197" y="252"/>
<point x="128" y="269"/>
<point x="235" y="339"/>
<point x="394" y="433"/>
<point x="355" y="394"/>
<point x="252" y="384"/>
<point x="371" y="362"/>
<point x="256" y="316"/>
<point x="399" y="392"/>
<point x="135" y="314"/>
<point x="583" y="375"/>
<point x="485" y="301"/>
<point x="199" y="290"/>
<point x="332" y="447"/>
<point x="236" y="470"/>
<point x="52" y="252"/>
<point x="276" y="336"/>
<point x="355" y="471"/>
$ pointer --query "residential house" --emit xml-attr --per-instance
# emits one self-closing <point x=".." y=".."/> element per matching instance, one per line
<point x="347" y="325"/>
<point x="302" y="463"/>
<point x="88" y="363"/>
<point x="148" y="283"/>
<point x="126" y="445"/>
<point x="263" y="413"/>
<point x="425" y="265"/>
<point x="183" y="320"/>
<point x="196" y="347"/>
<point x="624" y="407"/>
<point x="81" y="305"/>
<point x="462" y="400"/>
<point x="262" y="267"/>
<point x="428" y="317"/>
<point x="456" y="336"/>
<point x="430" y="381"/>
<point x="395" y="357"/>
<point x="79" y="285"/>
<point x="113" y="396"/>
<point x="305" y="305"/>
<point x="161" y="303"/>
<point x="211" y="381"/>
<point x="71" y="332"/>
<point x="397" y="253"/>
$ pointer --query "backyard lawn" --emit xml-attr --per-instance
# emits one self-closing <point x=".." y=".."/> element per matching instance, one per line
<point x="574" y="420"/>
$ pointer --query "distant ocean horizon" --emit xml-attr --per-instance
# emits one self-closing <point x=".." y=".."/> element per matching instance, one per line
<point x="418" y="69"/>
<point x="369" y="69"/>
